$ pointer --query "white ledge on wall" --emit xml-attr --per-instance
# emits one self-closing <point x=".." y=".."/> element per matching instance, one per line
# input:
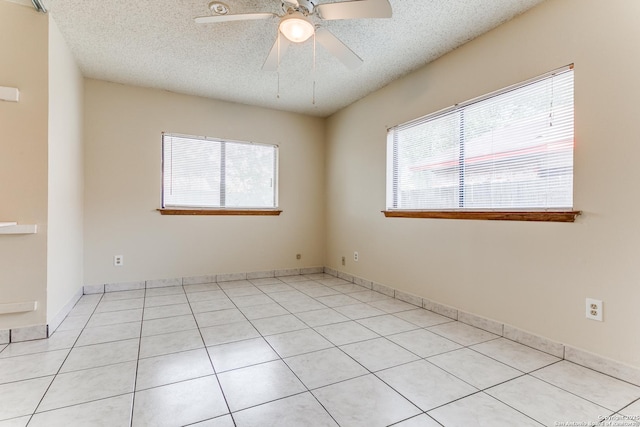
<point x="15" y="228"/>
<point x="18" y="307"/>
<point x="10" y="94"/>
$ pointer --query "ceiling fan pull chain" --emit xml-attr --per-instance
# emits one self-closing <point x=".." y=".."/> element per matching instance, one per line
<point x="278" y="66"/>
<point x="314" y="69"/>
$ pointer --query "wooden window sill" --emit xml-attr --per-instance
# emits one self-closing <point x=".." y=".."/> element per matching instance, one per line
<point x="249" y="212"/>
<point x="550" y="216"/>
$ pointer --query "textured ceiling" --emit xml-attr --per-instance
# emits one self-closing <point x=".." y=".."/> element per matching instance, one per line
<point x="157" y="44"/>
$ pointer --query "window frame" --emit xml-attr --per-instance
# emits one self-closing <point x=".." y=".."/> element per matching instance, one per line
<point x="174" y="210"/>
<point x="545" y="215"/>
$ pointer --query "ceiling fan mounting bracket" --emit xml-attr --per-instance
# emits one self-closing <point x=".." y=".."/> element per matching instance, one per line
<point x="306" y="7"/>
<point x="218" y="8"/>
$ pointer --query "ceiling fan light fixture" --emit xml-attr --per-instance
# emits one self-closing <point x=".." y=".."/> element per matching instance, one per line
<point x="296" y="27"/>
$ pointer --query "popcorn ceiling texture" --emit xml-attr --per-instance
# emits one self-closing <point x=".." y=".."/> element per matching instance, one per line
<point x="157" y="44"/>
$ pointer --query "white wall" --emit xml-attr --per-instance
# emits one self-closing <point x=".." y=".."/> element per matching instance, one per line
<point x="534" y="276"/>
<point x="23" y="160"/>
<point x="123" y="126"/>
<point x="66" y="180"/>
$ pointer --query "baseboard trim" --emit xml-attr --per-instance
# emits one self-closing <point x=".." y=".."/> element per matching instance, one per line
<point x="581" y="357"/>
<point x="39" y="332"/>
<point x="196" y="280"/>
<point x="57" y="320"/>
<point x="578" y="356"/>
<point x="29" y="333"/>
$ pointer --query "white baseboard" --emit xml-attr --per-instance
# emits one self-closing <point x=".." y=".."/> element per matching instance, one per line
<point x="578" y="356"/>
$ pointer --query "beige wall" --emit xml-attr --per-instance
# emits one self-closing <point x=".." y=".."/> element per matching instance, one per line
<point x="23" y="160"/>
<point x="123" y="126"/>
<point x="530" y="275"/>
<point x="66" y="180"/>
<point x="534" y="276"/>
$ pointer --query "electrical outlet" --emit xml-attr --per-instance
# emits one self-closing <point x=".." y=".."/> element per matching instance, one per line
<point x="298" y="256"/>
<point x="118" y="260"/>
<point x="356" y="256"/>
<point x="344" y="261"/>
<point x="594" y="309"/>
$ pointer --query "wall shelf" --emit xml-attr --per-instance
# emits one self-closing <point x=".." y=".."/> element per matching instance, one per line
<point x="15" y="228"/>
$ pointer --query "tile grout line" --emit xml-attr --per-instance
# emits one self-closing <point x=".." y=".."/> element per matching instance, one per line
<point x="135" y="378"/>
<point x="509" y="406"/>
<point x="491" y="397"/>
<point x="569" y="391"/>
<point x="63" y="362"/>
<point x="416" y="416"/>
<point x="206" y="349"/>
<point x="470" y="347"/>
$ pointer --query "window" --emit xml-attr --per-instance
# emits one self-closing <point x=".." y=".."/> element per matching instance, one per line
<point x="507" y="151"/>
<point x="205" y="173"/>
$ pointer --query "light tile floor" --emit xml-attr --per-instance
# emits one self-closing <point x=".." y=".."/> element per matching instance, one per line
<point x="308" y="350"/>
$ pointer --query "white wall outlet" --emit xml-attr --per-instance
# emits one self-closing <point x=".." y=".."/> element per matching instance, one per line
<point x="118" y="260"/>
<point x="298" y="256"/>
<point x="344" y="260"/>
<point x="594" y="309"/>
<point x="356" y="256"/>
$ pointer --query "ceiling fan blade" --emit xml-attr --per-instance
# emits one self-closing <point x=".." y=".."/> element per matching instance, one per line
<point x="233" y="17"/>
<point x="355" y="9"/>
<point x="293" y="2"/>
<point x="271" y="63"/>
<point x="337" y="48"/>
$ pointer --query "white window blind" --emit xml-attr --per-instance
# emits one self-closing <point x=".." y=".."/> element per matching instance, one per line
<point x="512" y="150"/>
<point x="211" y="173"/>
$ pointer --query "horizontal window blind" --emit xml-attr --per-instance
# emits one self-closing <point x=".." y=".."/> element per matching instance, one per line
<point x="508" y="151"/>
<point x="210" y="173"/>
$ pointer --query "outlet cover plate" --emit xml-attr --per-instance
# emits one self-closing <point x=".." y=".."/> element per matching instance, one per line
<point x="594" y="309"/>
<point x="118" y="260"/>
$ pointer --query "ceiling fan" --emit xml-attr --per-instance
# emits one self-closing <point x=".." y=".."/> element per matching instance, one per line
<point x="297" y="26"/>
